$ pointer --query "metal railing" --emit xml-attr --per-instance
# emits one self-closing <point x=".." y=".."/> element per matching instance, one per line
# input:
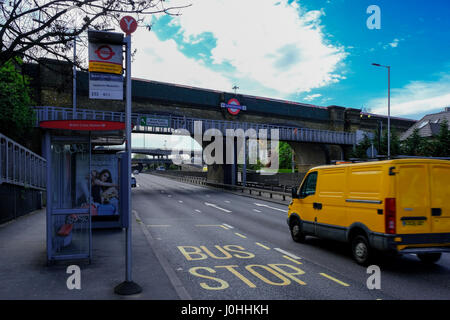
<point x="286" y="133"/>
<point x="20" y="166"/>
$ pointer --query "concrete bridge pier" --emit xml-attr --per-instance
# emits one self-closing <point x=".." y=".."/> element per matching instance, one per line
<point x="224" y="172"/>
<point x="308" y="155"/>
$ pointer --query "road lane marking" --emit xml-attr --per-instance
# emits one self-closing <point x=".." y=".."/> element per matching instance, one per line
<point x="212" y="225"/>
<point x="180" y="201"/>
<point x="217" y="207"/>
<point x="240" y="235"/>
<point x="293" y="260"/>
<point x="256" y="210"/>
<point x="169" y="195"/>
<point x="293" y="256"/>
<point x="261" y="245"/>
<point x="158" y="225"/>
<point x="196" y="210"/>
<point x="265" y="205"/>
<point x="227" y="201"/>
<point x="334" y="279"/>
<point x="227" y="225"/>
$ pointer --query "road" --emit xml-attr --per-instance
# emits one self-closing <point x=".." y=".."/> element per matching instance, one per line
<point x="217" y="245"/>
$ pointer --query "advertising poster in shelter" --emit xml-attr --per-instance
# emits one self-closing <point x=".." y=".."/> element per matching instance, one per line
<point x="104" y="183"/>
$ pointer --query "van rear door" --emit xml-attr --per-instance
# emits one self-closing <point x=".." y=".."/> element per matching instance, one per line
<point x="413" y="198"/>
<point x="440" y="197"/>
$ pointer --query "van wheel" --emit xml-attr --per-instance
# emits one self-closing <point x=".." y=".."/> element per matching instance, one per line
<point x="431" y="257"/>
<point x="361" y="250"/>
<point x="296" y="231"/>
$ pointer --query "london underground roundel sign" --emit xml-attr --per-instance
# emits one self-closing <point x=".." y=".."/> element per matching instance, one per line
<point x="105" y="52"/>
<point x="233" y="106"/>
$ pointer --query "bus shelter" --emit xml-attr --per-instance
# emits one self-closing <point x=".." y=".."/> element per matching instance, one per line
<point x="85" y="186"/>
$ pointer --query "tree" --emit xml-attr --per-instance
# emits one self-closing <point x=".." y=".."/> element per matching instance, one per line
<point x="285" y="154"/>
<point x="414" y="145"/>
<point x="440" y="146"/>
<point x="16" y="116"/>
<point x="361" y="148"/>
<point x="46" y="28"/>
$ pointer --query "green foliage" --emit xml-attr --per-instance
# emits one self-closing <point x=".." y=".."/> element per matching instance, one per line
<point x="285" y="155"/>
<point x="361" y="148"/>
<point x="440" y="146"/>
<point x="16" y="116"/>
<point x="415" y="145"/>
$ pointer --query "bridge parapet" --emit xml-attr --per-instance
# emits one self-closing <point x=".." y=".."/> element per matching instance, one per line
<point x="286" y="133"/>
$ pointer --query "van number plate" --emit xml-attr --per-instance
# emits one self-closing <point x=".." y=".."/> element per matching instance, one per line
<point x="413" y="223"/>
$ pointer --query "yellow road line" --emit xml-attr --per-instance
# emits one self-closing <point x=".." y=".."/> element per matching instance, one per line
<point x="293" y="260"/>
<point x="263" y="246"/>
<point x="335" y="280"/>
<point x="211" y="225"/>
<point x="240" y="235"/>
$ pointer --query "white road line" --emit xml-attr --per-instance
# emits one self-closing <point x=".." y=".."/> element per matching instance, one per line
<point x="287" y="253"/>
<point x="196" y="210"/>
<point x="180" y="201"/>
<point x="227" y="225"/>
<point x="217" y="207"/>
<point x="265" y="205"/>
<point x="169" y="195"/>
<point x="227" y="201"/>
<point x="256" y="210"/>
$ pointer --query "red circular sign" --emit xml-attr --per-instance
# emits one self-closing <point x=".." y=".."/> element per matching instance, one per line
<point x="234" y="111"/>
<point x="128" y="24"/>
<point x="104" y="52"/>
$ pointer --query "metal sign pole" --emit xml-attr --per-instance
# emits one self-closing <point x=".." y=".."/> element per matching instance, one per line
<point x="128" y="287"/>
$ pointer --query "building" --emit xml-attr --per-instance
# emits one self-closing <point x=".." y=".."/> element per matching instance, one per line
<point x="429" y="125"/>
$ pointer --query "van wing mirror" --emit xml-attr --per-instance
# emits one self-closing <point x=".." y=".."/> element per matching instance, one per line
<point x="294" y="193"/>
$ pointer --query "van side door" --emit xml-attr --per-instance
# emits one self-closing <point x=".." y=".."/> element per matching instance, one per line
<point x="307" y="203"/>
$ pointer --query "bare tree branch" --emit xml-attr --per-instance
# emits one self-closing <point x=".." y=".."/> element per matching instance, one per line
<point x="40" y="28"/>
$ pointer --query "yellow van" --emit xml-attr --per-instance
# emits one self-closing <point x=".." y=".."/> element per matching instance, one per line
<point x="394" y="205"/>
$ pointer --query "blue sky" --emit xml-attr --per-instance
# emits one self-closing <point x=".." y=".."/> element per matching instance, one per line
<point x="312" y="51"/>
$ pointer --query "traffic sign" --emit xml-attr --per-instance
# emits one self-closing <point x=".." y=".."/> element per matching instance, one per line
<point x="128" y="25"/>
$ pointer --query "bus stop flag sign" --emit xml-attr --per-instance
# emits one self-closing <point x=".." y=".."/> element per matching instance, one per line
<point x="128" y="25"/>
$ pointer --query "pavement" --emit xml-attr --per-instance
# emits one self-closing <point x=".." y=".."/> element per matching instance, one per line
<point x="25" y="275"/>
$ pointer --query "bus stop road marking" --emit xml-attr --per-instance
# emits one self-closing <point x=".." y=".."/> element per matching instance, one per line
<point x="334" y="279"/>
<point x="240" y="235"/>
<point x="262" y="246"/>
<point x="293" y="260"/>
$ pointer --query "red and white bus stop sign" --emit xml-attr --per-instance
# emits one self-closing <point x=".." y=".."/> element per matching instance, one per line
<point x="128" y="25"/>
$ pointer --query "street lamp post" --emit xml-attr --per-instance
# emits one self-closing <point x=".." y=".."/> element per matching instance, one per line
<point x="389" y="108"/>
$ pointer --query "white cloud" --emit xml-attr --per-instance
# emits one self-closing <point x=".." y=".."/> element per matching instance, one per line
<point x="276" y="45"/>
<point x="312" y="97"/>
<point x="394" y="43"/>
<point x="162" y="61"/>
<point x="416" y="97"/>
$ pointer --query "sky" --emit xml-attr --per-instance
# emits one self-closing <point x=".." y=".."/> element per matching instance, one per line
<point x="310" y="51"/>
